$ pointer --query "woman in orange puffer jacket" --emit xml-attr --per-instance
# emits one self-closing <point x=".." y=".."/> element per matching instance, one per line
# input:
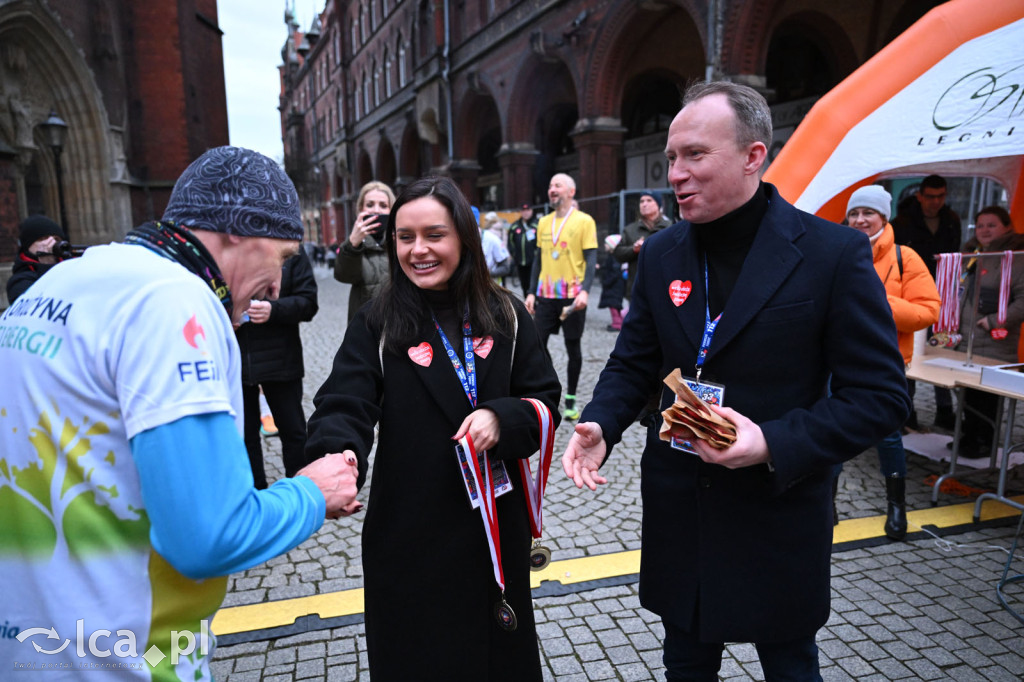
<point x="915" y="305"/>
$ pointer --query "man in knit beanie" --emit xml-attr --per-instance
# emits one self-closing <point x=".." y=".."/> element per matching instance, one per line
<point x="122" y="372"/>
<point x="37" y="235"/>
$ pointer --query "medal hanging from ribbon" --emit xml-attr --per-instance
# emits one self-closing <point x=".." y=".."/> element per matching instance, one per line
<point x="483" y="481"/>
<point x="534" y="485"/>
<point x="947" y="281"/>
<point x="1005" y="272"/>
<point x="556" y="236"/>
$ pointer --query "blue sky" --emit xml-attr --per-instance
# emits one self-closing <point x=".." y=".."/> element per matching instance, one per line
<point x="254" y="33"/>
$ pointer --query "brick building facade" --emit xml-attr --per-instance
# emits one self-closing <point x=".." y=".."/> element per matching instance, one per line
<point x="141" y="88"/>
<point x="500" y="94"/>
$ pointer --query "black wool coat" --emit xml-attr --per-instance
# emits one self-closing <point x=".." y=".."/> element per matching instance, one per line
<point x="428" y="579"/>
<point x="272" y="351"/>
<point x="748" y="549"/>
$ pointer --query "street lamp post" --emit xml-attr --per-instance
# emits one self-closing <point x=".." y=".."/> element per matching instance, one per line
<point x="54" y="131"/>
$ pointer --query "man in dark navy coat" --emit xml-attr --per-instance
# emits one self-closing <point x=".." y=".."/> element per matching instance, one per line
<point x="736" y="542"/>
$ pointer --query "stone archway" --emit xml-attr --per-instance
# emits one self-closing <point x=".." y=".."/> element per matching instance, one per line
<point x="364" y="168"/>
<point x="547" y="111"/>
<point x="386" y="165"/>
<point x="41" y="71"/>
<point x="479" y="141"/>
<point x="639" y="38"/>
<point x="650" y="100"/>
<point x="807" y="55"/>
<point x="411" y="163"/>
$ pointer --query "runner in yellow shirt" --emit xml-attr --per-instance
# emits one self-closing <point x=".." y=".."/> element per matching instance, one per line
<point x="563" y="270"/>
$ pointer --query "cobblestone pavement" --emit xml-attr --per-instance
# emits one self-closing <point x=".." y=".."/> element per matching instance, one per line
<point x="921" y="609"/>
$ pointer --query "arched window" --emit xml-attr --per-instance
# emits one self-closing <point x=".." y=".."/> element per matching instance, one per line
<point x="384" y="8"/>
<point x="402" y="75"/>
<point x="376" y="83"/>
<point x="387" y="73"/>
<point x="363" y="28"/>
<point x="373" y="15"/>
<point x="341" y="111"/>
<point x="366" y="93"/>
<point x="355" y="34"/>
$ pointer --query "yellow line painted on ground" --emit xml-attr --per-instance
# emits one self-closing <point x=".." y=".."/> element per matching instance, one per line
<point x="868" y="527"/>
<point x="235" y="619"/>
<point x="275" y="614"/>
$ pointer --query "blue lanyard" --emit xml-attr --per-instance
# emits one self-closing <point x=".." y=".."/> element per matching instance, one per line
<point x="467" y="374"/>
<point x="709" y="324"/>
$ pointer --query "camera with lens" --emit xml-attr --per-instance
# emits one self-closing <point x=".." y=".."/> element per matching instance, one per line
<point x="65" y="250"/>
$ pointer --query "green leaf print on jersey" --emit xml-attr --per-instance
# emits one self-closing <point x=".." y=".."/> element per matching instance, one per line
<point x="66" y="502"/>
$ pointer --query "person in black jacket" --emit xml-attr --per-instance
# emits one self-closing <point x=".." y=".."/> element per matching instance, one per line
<point x="522" y="244"/>
<point x="929" y="226"/>
<point x="772" y="304"/>
<point x="272" y="359"/>
<point x="37" y="235"/>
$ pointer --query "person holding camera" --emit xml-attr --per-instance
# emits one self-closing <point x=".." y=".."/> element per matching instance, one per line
<point x="37" y="235"/>
<point x="362" y="260"/>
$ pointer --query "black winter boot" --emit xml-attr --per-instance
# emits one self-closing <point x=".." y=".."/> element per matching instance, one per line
<point x="896" y="507"/>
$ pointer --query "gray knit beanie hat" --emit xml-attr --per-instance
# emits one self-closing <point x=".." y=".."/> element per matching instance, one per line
<point x="236" y="191"/>
<point x="873" y="197"/>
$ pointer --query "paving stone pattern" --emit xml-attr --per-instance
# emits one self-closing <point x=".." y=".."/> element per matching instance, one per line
<point x="918" y="610"/>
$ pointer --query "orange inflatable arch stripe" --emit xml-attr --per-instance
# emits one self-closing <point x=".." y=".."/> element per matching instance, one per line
<point x="897" y="65"/>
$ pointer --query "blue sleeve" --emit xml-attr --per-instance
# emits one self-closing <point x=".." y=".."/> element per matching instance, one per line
<point x="206" y="518"/>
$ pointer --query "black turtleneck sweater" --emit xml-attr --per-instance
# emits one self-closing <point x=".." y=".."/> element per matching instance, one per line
<point x="725" y="242"/>
<point x="443" y="306"/>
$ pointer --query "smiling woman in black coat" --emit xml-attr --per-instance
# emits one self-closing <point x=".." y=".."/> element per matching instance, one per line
<point x="430" y="590"/>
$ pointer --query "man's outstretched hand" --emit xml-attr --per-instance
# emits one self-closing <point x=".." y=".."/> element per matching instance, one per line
<point x="584" y="454"/>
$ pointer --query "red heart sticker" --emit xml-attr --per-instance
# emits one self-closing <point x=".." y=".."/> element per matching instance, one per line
<point x="999" y="334"/>
<point x="482" y="347"/>
<point x="422" y="354"/>
<point x="679" y="291"/>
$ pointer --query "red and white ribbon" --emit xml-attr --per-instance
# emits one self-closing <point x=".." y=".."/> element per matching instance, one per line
<point x="534" y="485"/>
<point x="947" y="281"/>
<point x="484" y="482"/>
<point x="1006" y="266"/>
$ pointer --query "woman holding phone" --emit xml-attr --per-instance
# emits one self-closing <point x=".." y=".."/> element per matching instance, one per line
<point x="362" y="258"/>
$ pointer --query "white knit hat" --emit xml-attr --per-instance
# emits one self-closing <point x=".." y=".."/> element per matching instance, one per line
<point x="873" y="197"/>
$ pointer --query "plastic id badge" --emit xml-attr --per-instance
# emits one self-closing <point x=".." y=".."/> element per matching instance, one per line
<point x="502" y="483"/>
<point x="712" y="394"/>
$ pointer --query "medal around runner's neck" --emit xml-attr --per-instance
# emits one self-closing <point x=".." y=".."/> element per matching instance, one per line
<point x="555" y="236"/>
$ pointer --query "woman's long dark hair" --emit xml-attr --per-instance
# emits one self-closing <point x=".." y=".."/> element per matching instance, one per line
<point x="399" y="310"/>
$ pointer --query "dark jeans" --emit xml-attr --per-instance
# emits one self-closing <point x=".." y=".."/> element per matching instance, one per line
<point x="688" y="659"/>
<point x="285" y="401"/>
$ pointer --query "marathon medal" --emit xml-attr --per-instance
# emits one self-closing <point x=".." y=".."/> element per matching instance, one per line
<point x="556" y="235"/>
<point x="534" y="484"/>
<point x="540" y="557"/>
<point x="505" y="616"/>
